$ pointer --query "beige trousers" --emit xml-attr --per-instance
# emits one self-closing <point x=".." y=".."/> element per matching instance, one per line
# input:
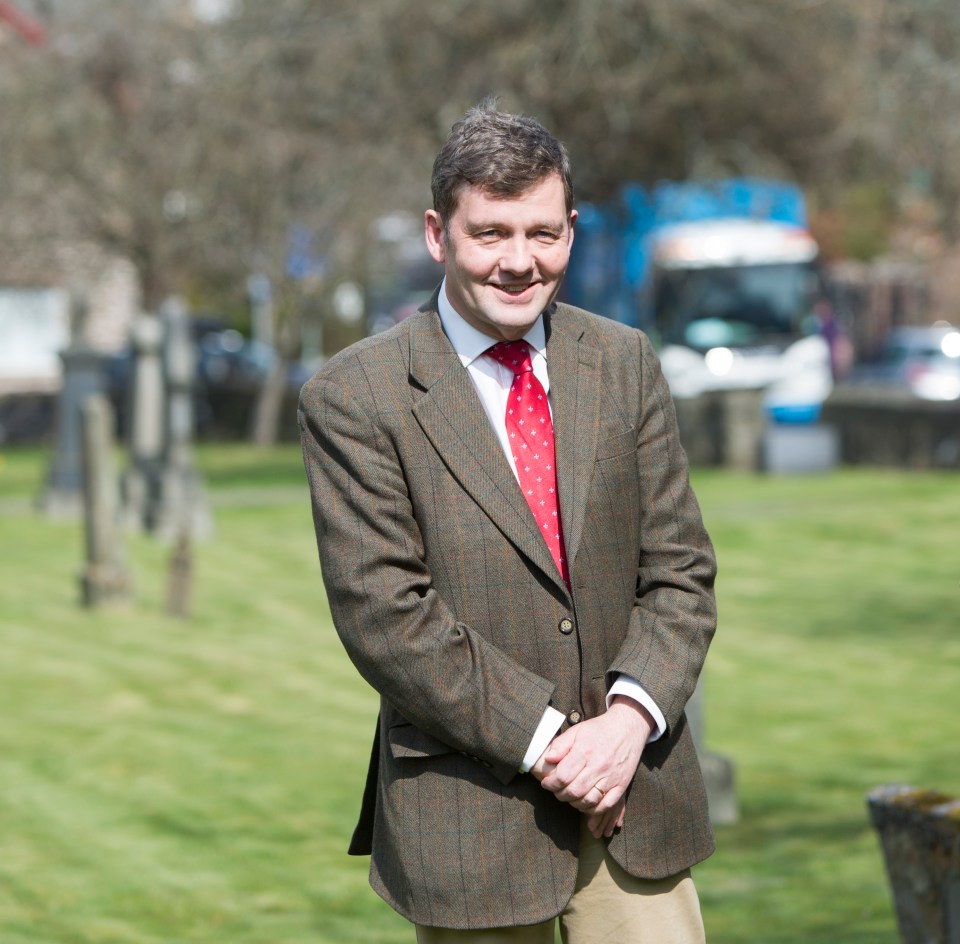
<point x="608" y="907"/>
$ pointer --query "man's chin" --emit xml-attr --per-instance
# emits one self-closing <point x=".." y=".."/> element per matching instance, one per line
<point x="515" y="321"/>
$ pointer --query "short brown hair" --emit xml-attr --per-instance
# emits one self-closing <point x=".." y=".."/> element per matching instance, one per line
<point x="500" y="153"/>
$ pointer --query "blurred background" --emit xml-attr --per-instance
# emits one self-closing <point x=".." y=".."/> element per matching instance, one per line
<point x="270" y="167"/>
<point x="201" y="200"/>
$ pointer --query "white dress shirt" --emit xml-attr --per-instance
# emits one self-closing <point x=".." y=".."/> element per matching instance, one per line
<point x="493" y="381"/>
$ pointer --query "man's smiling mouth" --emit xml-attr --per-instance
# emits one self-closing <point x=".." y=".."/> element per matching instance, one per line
<point x="511" y="289"/>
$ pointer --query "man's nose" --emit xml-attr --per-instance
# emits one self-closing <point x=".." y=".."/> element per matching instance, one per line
<point x="516" y="256"/>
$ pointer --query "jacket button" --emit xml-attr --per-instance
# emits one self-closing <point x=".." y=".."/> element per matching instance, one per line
<point x="566" y="626"/>
<point x="574" y="716"/>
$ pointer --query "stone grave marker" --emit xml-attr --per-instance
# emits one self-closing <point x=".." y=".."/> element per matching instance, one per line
<point x="105" y="578"/>
<point x="146" y="437"/>
<point x="82" y="376"/>
<point x="719" y="773"/>
<point x="183" y="508"/>
<point x="920" y="835"/>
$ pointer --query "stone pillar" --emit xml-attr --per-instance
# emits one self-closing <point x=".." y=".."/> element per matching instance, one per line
<point x="105" y="577"/>
<point x="82" y="376"/>
<point x="180" y="367"/>
<point x="700" y="421"/>
<point x="920" y="835"/>
<point x="743" y="425"/>
<point x="142" y="484"/>
<point x="719" y="774"/>
<point x="184" y="509"/>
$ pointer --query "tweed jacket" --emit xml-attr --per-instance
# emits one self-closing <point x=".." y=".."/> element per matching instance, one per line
<point x="449" y="604"/>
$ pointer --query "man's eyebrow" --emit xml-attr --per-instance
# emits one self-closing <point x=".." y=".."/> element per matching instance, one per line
<point x="479" y="226"/>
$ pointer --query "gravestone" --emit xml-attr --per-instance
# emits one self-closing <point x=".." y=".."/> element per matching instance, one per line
<point x="920" y="835"/>
<point x="163" y="488"/>
<point x="184" y="509"/>
<point x="719" y="774"/>
<point x="142" y="482"/>
<point x="105" y="577"/>
<point x="82" y="376"/>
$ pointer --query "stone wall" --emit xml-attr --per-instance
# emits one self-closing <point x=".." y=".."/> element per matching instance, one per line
<point x="884" y="427"/>
<point x="722" y="428"/>
<point x="873" y="426"/>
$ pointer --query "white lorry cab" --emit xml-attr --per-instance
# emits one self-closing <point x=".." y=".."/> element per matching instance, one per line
<point x="722" y="275"/>
<point x="734" y="309"/>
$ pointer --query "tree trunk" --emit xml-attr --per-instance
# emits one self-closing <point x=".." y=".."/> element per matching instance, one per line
<point x="268" y="409"/>
<point x="265" y="426"/>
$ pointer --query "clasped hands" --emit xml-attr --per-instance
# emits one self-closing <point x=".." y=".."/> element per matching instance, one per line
<point x="591" y="765"/>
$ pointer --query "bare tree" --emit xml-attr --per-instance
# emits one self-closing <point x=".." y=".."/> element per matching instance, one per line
<point x="195" y="147"/>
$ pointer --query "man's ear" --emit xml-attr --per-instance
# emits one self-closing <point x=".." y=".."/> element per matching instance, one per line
<point x="433" y="234"/>
<point x="573" y="219"/>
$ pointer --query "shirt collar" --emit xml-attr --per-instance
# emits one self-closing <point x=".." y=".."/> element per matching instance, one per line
<point x="469" y="342"/>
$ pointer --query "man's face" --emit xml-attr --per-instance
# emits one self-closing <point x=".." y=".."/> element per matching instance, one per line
<point x="504" y="258"/>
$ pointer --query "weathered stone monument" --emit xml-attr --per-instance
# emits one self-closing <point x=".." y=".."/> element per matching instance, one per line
<point x="719" y="774"/>
<point x="164" y="492"/>
<point x="142" y="482"/>
<point x="82" y="376"/>
<point x="743" y="417"/>
<point x="105" y="577"/>
<point x="183" y="508"/>
<point x="920" y="836"/>
<point x="163" y="489"/>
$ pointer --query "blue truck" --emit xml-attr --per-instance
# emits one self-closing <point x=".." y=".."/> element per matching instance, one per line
<point x="722" y="276"/>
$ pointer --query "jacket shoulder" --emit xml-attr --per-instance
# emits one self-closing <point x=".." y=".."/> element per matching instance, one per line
<point x="597" y="330"/>
<point x="384" y="356"/>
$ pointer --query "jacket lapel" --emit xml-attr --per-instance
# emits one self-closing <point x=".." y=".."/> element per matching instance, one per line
<point x="452" y="417"/>
<point x="576" y="400"/>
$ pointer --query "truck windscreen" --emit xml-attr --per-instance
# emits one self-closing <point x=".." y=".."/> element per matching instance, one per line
<point x="734" y="306"/>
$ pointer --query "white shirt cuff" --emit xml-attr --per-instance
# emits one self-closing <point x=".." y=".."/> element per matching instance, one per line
<point x="546" y="730"/>
<point x="629" y="686"/>
<point x="552" y="719"/>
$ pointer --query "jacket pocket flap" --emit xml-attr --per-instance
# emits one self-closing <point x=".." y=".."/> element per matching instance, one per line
<point x="618" y="445"/>
<point x="407" y="740"/>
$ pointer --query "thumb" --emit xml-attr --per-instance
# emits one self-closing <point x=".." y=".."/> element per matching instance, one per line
<point x="557" y="749"/>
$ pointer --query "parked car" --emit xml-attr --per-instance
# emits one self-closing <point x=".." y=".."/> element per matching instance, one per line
<point x="923" y="360"/>
<point x="226" y="358"/>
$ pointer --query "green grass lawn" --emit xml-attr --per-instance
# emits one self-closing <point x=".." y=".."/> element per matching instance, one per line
<point x="196" y="781"/>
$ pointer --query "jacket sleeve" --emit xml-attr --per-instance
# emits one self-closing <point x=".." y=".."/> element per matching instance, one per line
<point x="404" y="640"/>
<point x="674" y="614"/>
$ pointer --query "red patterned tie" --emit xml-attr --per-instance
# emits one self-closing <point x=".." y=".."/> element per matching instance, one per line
<point x="531" y="441"/>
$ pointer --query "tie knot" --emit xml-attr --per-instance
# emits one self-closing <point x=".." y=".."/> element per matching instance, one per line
<point x="512" y="354"/>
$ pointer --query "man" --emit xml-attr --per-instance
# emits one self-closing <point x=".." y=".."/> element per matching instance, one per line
<point x="533" y="607"/>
